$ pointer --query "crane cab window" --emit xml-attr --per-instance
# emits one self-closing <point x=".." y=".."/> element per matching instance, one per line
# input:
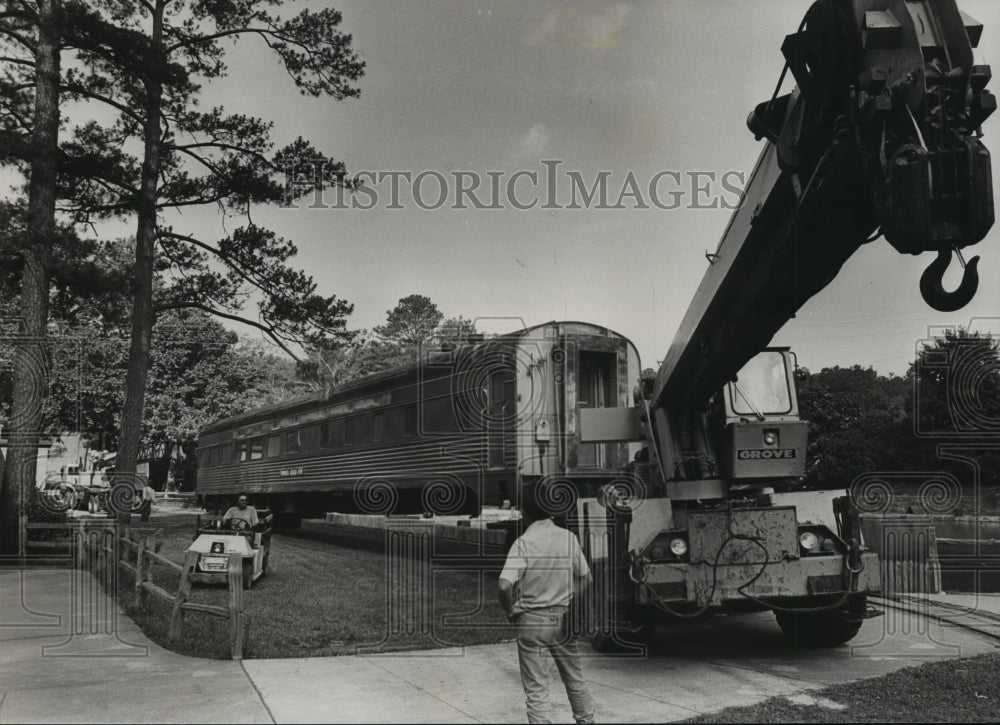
<point x="762" y="386"/>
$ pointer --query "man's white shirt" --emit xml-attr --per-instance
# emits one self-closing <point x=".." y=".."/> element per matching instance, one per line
<point x="544" y="562"/>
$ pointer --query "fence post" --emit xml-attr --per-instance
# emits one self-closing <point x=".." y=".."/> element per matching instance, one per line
<point x="183" y="592"/>
<point x="80" y="537"/>
<point x="126" y="535"/>
<point x="142" y="567"/>
<point x="236" y="625"/>
<point x="100" y="561"/>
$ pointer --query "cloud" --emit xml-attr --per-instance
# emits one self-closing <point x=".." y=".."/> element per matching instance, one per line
<point x="531" y="146"/>
<point x="580" y="25"/>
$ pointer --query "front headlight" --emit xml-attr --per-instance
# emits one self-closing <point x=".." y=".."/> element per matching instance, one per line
<point x="809" y="541"/>
<point x="678" y="546"/>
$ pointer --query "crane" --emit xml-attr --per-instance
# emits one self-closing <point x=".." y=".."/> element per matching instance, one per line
<point x="880" y="138"/>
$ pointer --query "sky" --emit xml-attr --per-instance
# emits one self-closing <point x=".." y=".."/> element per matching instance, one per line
<point x="656" y="90"/>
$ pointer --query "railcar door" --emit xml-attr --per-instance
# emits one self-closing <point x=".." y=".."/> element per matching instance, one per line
<point x="596" y="383"/>
<point x="500" y="420"/>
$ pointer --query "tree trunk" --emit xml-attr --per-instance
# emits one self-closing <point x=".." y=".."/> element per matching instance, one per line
<point x="145" y="251"/>
<point x="159" y="468"/>
<point x="29" y="361"/>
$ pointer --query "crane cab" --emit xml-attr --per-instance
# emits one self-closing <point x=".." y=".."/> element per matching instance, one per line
<point x="762" y="435"/>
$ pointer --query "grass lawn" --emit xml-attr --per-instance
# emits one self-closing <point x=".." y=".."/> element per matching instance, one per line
<point x="955" y="691"/>
<point x="324" y="595"/>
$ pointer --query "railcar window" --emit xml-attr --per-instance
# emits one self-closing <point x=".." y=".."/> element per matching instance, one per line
<point x="226" y="454"/>
<point x="241" y="451"/>
<point x="309" y="437"/>
<point x="410" y="424"/>
<point x="293" y="443"/>
<point x="324" y="435"/>
<point x="256" y="449"/>
<point x="438" y="415"/>
<point x="273" y="446"/>
<point x="337" y="434"/>
<point x="364" y="429"/>
<point x="349" y="432"/>
<point x="378" y="427"/>
<point x="394" y="424"/>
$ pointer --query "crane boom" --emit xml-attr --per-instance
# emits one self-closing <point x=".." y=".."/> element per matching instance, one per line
<point x="881" y="132"/>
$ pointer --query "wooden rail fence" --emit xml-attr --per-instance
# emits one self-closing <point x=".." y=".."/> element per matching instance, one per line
<point x="908" y="553"/>
<point x="138" y="554"/>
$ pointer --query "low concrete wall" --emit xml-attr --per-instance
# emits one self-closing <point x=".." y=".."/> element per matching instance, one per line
<point x="908" y="553"/>
<point x="967" y="527"/>
<point x="969" y="552"/>
<point x="361" y="521"/>
<point x="933" y="553"/>
<point x="470" y="534"/>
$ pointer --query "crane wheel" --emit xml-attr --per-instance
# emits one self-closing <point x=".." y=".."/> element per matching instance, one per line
<point x="618" y="635"/>
<point x="623" y="637"/>
<point x="824" y="629"/>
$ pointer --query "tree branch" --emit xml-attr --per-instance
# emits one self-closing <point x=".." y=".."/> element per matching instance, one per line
<point x="228" y="147"/>
<point x="16" y="36"/>
<point x="212" y="250"/>
<point x="192" y="202"/>
<point x="18" y="61"/>
<point x="268" y="330"/>
<point x="263" y="32"/>
<point x="83" y="91"/>
<point x="112" y="186"/>
<point x="208" y="165"/>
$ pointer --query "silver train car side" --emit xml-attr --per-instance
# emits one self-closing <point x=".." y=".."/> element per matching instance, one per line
<point x="456" y="430"/>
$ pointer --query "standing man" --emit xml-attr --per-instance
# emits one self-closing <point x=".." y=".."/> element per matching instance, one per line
<point x="549" y="569"/>
<point x="148" y="494"/>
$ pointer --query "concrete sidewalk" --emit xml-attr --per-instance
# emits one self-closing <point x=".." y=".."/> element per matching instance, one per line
<point x="67" y="654"/>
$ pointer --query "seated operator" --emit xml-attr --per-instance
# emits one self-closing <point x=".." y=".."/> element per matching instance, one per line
<point x="242" y="510"/>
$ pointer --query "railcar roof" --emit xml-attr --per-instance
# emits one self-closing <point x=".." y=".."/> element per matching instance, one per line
<point x="306" y="401"/>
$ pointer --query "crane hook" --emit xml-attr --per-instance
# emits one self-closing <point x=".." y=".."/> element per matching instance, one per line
<point x="932" y="287"/>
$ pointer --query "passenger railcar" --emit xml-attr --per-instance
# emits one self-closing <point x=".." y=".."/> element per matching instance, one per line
<point x="456" y="430"/>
